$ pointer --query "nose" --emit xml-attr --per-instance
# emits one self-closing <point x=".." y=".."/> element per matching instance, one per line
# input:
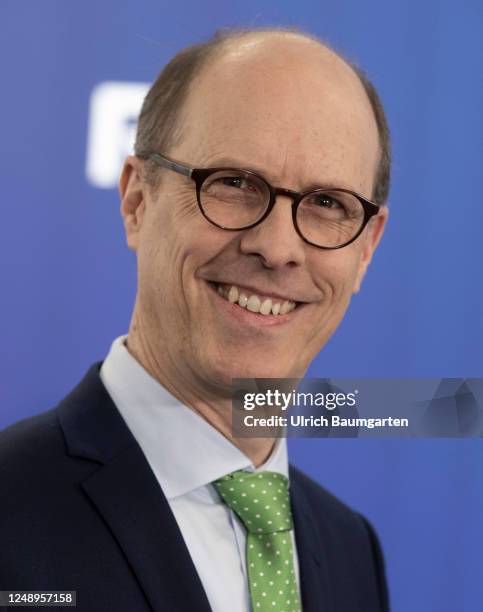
<point x="275" y="240"/>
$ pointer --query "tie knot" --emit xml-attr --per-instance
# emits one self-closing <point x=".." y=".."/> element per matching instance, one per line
<point x="260" y="499"/>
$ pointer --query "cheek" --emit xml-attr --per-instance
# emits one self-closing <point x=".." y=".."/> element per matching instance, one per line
<point x="335" y="272"/>
<point x="181" y="212"/>
<point x="167" y="229"/>
<point x="161" y="252"/>
<point x="178" y="240"/>
<point x="335" y="277"/>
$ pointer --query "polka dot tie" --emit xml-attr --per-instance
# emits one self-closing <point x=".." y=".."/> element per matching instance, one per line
<point x="261" y="500"/>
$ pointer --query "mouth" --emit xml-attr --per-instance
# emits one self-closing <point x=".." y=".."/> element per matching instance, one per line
<point x="263" y="306"/>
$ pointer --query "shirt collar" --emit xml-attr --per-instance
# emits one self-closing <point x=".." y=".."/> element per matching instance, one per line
<point x="184" y="451"/>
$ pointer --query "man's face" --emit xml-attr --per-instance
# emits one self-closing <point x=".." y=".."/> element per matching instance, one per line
<point x="297" y="115"/>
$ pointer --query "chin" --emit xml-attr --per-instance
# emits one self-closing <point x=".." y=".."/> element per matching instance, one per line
<point x="268" y="367"/>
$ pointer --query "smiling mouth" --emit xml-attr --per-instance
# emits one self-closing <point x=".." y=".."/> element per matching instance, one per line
<point x="256" y="303"/>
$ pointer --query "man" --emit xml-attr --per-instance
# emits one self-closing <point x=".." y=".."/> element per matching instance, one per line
<point x="254" y="204"/>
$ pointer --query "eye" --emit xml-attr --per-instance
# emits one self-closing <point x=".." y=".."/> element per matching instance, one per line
<point x="326" y="201"/>
<point x="237" y="182"/>
<point x="237" y="187"/>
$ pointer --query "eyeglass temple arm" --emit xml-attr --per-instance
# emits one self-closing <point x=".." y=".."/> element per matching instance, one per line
<point x="170" y="164"/>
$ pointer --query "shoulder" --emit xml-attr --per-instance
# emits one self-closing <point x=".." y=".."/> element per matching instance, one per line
<point x="37" y="437"/>
<point x="35" y="462"/>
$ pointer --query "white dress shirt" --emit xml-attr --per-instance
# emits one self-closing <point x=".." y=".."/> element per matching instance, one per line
<point x="186" y="455"/>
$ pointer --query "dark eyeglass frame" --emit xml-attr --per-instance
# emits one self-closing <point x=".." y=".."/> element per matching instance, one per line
<point x="199" y="176"/>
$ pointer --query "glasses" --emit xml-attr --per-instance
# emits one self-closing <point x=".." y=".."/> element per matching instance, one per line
<point x="234" y="199"/>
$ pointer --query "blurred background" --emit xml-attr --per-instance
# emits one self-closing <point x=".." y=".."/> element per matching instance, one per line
<point x="73" y="77"/>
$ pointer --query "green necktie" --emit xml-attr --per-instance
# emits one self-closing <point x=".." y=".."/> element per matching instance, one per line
<point x="261" y="500"/>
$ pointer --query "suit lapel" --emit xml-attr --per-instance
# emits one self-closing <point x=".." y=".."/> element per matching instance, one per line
<point x="126" y="494"/>
<point x="313" y="565"/>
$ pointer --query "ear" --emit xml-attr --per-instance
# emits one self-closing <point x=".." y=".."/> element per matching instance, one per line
<point x="373" y="232"/>
<point x="133" y="199"/>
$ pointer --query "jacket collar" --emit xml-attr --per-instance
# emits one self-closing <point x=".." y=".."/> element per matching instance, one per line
<point x="125" y="492"/>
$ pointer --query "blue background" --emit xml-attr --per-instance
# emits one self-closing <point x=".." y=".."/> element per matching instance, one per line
<point x="69" y="280"/>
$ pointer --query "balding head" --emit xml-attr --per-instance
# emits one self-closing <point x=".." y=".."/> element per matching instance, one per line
<point x="292" y="106"/>
<point x="287" y="52"/>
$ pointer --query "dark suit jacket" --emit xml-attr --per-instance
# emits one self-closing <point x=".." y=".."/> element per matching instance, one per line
<point x="80" y="509"/>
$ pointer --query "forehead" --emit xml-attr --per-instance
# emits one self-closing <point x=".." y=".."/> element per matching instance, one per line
<point x="287" y="104"/>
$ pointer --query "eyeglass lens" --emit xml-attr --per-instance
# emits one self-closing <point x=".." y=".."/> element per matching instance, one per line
<point x="235" y="200"/>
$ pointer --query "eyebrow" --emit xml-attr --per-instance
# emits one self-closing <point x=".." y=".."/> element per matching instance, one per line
<point x="275" y="180"/>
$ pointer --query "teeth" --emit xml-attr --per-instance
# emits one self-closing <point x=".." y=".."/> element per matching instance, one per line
<point x="254" y="303"/>
<point x="266" y="307"/>
<point x="285" y="307"/>
<point x="242" y="300"/>
<point x="233" y="294"/>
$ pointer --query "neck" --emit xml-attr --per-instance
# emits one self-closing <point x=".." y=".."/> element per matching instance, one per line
<point x="214" y="408"/>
